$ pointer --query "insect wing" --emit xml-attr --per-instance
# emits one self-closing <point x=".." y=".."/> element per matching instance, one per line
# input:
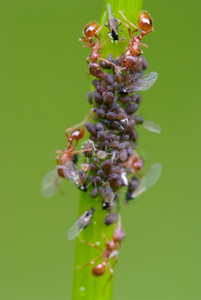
<point x="82" y="222"/>
<point x="151" y="126"/>
<point x="50" y="183"/>
<point x="70" y="171"/>
<point x="110" y="197"/>
<point x="144" y="82"/>
<point x="109" y="12"/>
<point x="150" y="178"/>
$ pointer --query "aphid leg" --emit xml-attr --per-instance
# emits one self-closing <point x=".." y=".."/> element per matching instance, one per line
<point x="90" y="244"/>
<point x="90" y="263"/>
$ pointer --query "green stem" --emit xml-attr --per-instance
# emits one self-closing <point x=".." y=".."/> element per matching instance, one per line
<point x="85" y="285"/>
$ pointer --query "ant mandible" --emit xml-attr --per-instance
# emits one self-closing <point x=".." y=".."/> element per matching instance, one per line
<point x="145" y="24"/>
<point x="111" y="251"/>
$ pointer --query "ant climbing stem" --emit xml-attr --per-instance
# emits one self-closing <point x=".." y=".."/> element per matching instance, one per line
<point x="145" y="24"/>
<point x="111" y="251"/>
<point x="76" y="134"/>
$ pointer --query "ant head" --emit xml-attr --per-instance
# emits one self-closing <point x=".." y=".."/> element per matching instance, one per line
<point x="130" y="61"/>
<point x="145" y="22"/>
<point x="90" y="30"/>
<point x="99" y="269"/>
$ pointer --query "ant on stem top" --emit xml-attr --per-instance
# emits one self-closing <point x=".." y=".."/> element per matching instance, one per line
<point x="111" y="251"/>
<point x="145" y="24"/>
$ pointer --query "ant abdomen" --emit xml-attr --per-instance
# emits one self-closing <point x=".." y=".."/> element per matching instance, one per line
<point x="90" y="29"/>
<point x="99" y="269"/>
<point x="145" y="22"/>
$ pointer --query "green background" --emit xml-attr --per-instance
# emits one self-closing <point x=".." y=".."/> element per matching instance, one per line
<point x="43" y="83"/>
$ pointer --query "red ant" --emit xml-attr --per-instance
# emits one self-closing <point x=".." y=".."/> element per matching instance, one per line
<point x="75" y="135"/>
<point x="145" y="24"/>
<point x="134" y="163"/>
<point x="90" y="31"/>
<point x="111" y="251"/>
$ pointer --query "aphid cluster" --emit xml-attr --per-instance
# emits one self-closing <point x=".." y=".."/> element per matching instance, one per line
<point x="109" y="159"/>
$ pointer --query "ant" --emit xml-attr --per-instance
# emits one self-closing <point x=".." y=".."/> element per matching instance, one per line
<point x="75" y="135"/>
<point x="113" y="25"/>
<point x="145" y="24"/>
<point x="130" y="61"/>
<point x="111" y="251"/>
<point x="90" y="31"/>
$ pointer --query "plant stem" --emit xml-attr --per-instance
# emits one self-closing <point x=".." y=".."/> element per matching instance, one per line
<point x="85" y="285"/>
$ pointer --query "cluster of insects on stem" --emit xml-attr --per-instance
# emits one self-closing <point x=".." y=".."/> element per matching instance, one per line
<point x="108" y="160"/>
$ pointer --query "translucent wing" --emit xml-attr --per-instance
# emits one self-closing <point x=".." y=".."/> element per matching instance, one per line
<point x="81" y="223"/>
<point x="109" y="11"/>
<point x="50" y="183"/>
<point x="144" y="82"/>
<point x="150" y="178"/>
<point x="151" y="126"/>
<point x="70" y="171"/>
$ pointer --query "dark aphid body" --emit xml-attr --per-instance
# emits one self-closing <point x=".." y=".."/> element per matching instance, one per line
<point x="111" y="219"/>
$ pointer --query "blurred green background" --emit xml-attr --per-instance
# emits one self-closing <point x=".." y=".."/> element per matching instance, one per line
<point x="43" y="83"/>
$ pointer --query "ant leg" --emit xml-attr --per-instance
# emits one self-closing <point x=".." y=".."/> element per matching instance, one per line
<point x="144" y="45"/>
<point x="81" y="151"/>
<point x="121" y="13"/>
<point x="86" y="119"/>
<point x="90" y="244"/>
<point x="103" y="235"/>
<point x="111" y="274"/>
<point x="98" y="30"/>
<point x="90" y="263"/>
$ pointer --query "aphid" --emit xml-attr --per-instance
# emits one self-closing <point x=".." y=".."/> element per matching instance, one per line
<point x="51" y="183"/>
<point x="107" y="197"/>
<point x="111" y="251"/>
<point x="148" y="180"/>
<point x="139" y="84"/>
<point x="112" y="24"/>
<point x="110" y="219"/>
<point x="81" y="223"/>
